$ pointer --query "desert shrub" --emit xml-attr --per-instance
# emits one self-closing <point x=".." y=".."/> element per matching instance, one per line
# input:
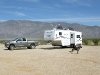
<point x="85" y="42"/>
<point x="90" y="42"/>
<point x="95" y="41"/>
<point x="2" y="41"/>
<point x="99" y="42"/>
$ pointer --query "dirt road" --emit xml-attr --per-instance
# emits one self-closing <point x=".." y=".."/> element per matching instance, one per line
<point x="47" y="60"/>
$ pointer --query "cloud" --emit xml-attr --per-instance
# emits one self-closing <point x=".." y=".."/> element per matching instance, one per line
<point x="2" y="20"/>
<point x="19" y="13"/>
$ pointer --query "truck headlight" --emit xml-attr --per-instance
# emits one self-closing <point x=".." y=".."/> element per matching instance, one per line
<point x="7" y="43"/>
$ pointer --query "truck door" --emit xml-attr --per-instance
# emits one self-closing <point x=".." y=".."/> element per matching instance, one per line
<point x="21" y="42"/>
<point x="24" y="42"/>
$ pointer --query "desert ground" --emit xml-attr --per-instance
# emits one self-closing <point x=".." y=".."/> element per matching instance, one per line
<point x="49" y="60"/>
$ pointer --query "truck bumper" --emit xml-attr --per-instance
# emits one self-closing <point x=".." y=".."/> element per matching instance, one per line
<point x="7" y="45"/>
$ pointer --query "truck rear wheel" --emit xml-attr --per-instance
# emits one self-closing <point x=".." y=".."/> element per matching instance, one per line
<point x="11" y="47"/>
<point x="32" y="46"/>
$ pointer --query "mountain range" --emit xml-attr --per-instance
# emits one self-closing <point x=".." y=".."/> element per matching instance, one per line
<point x="35" y="29"/>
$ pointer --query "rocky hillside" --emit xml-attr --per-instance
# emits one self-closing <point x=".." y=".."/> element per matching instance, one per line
<point x="35" y="29"/>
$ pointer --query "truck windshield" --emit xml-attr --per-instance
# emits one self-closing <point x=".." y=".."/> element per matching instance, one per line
<point x="15" y="39"/>
<point x="18" y="39"/>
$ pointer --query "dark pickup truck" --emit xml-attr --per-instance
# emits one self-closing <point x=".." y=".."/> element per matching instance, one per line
<point x="20" y="42"/>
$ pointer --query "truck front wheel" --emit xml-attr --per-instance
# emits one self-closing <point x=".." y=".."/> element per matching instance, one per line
<point x="11" y="47"/>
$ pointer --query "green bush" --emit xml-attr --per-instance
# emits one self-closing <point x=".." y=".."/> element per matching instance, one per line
<point x="85" y="42"/>
<point x="91" y="42"/>
<point x="2" y="41"/>
<point x="99" y="42"/>
<point x="95" y="41"/>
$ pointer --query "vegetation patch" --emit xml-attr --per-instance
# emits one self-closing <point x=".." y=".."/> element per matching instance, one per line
<point x="92" y="42"/>
<point x="2" y="41"/>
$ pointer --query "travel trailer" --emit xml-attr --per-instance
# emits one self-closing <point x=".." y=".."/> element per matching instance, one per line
<point x="61" y="37"/>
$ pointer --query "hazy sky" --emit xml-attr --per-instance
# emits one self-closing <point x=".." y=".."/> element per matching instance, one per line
<point x="80" y="11"/>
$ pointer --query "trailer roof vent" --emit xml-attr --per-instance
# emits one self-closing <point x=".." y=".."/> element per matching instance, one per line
<point x="59" y="27"/>
<point x="70" y="28"/>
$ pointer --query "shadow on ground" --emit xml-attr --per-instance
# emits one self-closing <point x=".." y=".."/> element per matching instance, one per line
<point x="20" y="49"/>
<point x="52" y="48"/>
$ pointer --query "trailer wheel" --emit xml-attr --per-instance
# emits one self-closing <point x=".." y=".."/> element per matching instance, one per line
<point x="72" y="45"/>
<point x="63" y="46"/>
<point x="11" y="47"/>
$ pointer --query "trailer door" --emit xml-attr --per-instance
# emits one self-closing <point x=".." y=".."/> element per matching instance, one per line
<point x="72" y="38"/>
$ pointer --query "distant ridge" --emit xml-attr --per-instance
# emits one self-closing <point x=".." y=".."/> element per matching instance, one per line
<point x="35" y="29"/>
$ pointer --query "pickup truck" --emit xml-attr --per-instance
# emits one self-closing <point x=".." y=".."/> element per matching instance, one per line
<point x="20" y="42"/>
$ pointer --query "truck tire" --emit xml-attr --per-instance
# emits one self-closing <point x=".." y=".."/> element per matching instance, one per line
<point x="32" y="46"/>
<point x="11" y="47"/>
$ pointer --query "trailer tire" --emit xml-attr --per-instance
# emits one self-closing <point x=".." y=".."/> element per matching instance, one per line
<point x="72" y="45"/>
<point x="63" y="46"/>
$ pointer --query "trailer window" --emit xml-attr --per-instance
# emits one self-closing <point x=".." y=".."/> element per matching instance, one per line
<point x="71" y="35"/>
<point x="60" y="33"/>
<point x="78" y="36"/>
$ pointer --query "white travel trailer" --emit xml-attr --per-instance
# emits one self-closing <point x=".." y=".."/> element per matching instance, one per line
<point x="60" y="37"/>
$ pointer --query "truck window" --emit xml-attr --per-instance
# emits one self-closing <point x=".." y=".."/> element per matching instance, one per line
<point x="60" y="33"/>
<point x="19" y="40"/>
<point x="24" y="39"/>
<point x="78" y="36"/>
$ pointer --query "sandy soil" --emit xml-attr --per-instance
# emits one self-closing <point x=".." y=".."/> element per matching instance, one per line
<point x="49" y="60"/>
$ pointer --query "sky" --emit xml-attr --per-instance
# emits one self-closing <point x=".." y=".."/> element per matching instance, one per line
<point x="72" y="11"/>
